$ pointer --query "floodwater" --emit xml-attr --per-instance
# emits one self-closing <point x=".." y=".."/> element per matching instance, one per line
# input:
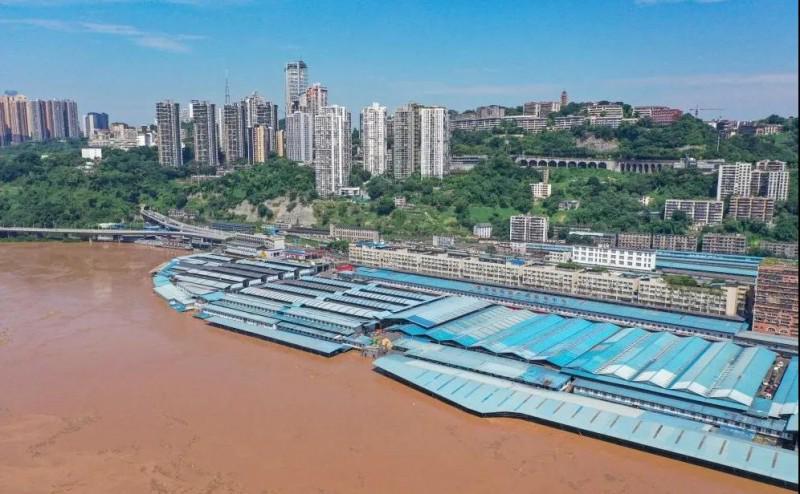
<point x="104" y="389"/>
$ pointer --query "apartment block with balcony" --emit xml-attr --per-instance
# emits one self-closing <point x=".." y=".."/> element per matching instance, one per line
<point x="637" y="241"/>
<point x="775" y="308"/>
<point x="725" y="243"/>
<point x="700" y="212"/>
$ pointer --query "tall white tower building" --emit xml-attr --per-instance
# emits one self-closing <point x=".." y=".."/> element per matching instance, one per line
<point x="169" y="133"/>
<point x="206" y="148"/>
<point x="434" y="156"/>
<point x="373" y="138"/>
<point x="332" y="149"/>
<point x="300" y="137"/>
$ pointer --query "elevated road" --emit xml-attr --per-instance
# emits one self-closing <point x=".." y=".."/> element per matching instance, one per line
<point x="100" y="232"/>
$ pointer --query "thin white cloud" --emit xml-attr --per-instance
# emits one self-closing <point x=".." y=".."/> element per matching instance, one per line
<point x="173" y="43"/>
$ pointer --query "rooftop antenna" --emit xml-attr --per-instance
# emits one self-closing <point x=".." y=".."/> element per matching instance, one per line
<point x="227" y="89"/>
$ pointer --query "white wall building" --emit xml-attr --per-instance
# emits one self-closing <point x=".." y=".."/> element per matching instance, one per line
<point x="525" y="228"/>
<point x="300" y="137"/>
<point x="373" y="138"/>
<point x="332" y="149"/>
<point x="482" y="230"/>
<point x="541" y="190"/>
<point x="733" y="180"/>
<point x="434" y="156"/>
<point x="639" y="260"/>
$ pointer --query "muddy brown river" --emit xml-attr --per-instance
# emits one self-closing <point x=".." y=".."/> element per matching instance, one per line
<point x="105" y="389"/>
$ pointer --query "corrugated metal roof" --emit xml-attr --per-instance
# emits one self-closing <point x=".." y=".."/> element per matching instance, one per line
<point x="488" y="396"/>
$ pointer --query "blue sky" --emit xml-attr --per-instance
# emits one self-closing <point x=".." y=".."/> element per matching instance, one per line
<point x="121" y="56"/>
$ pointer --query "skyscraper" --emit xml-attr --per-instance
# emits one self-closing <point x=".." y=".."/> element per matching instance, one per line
<point x="235" y="133"/>
<point x="373" y="138"/>
<point x="314" y="98"/>
<point x="434" y="156"/>
<point x="280" y="143"/>
<point x="169" y="133"/>
<point x="93" y="122"/>
<point x="205" y="133"/>
<point x="332" y="149"/>
<point x="259" y="143"/>
<point x="259" y="111"/>
<point x="406" y="135"/>
<point x="37" y="117"/>
<point x="14" y="126"/>
<point x="299" y="137"/>
<point x="296" y="83"/>
<point x="71" y="125"/>
<point x="564" y="98"/>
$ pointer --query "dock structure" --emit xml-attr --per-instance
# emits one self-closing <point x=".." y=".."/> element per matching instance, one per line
<point x="703" y="394"/>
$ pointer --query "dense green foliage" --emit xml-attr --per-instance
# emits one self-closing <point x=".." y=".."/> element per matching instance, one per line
<point x="44" y="184"/>
<point x="47" y="184"/>
<point x="687" y="137"/>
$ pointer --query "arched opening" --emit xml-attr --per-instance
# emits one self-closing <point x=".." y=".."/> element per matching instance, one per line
<point x="602" y="165"/>
<point x="562" y="164"/>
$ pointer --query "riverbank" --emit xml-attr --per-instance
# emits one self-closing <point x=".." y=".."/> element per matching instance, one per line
<point x="140" y="398"/>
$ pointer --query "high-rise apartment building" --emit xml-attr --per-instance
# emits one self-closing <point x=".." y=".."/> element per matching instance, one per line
<point x="434" y="155"/>
<point x="280" y="143"/>
<point x="564" y="98"/>
<point x="373" y="138"/>
<point x="775" y="306"/>
<point x="526" y="228"/>
<point x="169" y="133"/>
<point x="752" y="208"/>
<point x="406" y="144"/>
<point x="93" y="122"/>
<point x="14" y="124"/>
<point x="295" y="84"/>
<point x="332" y="149"/>
<point x="770" y="179"/>
<point x="235" y="133"/>
<point x="733" y="180"/>
<point x="701" y="212"/>
<point x="259" y="140"/>
<point x="314" y="98"/>
<point x="71" y="125"/>
<point x="258" y="111"/>
<point x="37" y="120"/>
<point x="300" y="137"/>
<point x="206" y="151"/>
<point x="56" y="119"/>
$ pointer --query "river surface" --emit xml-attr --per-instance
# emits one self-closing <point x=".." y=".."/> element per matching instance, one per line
<point x="105" y="389"/>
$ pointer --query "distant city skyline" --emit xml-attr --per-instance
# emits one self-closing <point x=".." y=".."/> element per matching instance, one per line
<point x="122" y="57"/>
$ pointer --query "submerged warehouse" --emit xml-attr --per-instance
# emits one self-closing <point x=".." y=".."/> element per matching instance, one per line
<point x="690" y="389"/>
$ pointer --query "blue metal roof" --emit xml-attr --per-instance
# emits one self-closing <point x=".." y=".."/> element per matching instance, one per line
<point x="587" y="307"/>
<point x="492" y="396"/>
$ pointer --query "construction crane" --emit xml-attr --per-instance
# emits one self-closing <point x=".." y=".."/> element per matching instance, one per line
<point x="697" y="109"/>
